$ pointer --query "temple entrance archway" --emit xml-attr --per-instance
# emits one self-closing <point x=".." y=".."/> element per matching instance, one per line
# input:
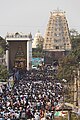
<point x="19" y="52"/>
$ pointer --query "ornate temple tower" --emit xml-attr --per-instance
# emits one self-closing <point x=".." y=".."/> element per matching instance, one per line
<point x="38" y="39"/>
<point x="57" y="40"/>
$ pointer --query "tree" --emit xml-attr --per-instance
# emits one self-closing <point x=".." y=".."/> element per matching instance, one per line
<point x="3" y="69"/>
<point x="3" y="73"/>
<point x="70" y="63"/>
<point x="2" y="46"/>
<point x="74" y="33"/>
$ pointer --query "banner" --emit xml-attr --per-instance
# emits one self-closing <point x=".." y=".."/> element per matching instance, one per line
<point x="37" y="61"/>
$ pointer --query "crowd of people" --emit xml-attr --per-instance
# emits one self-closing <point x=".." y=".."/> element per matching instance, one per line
<point x="34" y="96"/>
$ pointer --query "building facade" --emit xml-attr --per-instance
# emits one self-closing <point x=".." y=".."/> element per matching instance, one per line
<point x="19" y="51"/>
<point x="57" y="39"/>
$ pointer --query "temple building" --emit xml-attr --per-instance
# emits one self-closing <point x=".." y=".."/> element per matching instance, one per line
<point x="38" y="40"/>
<point x="56" y="39"/>
<point x="19" y="51"/>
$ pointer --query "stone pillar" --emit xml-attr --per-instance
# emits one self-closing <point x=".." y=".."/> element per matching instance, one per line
<point x="7" y="59"/>
<point x="29" y="54"/>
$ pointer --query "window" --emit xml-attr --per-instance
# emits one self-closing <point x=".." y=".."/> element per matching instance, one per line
<point x="57" y="47"/>
<point x="68" y="44"/>
<point x="55" y="40"/>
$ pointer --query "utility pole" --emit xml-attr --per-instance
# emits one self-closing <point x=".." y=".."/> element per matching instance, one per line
<point x="79" y="89"/>
<point x="75" y="89"/>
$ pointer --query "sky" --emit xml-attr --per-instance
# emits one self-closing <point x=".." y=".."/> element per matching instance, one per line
<point x="32" y="15"/>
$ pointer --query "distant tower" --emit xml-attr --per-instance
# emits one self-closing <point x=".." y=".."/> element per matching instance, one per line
<point x="57" y="40"/>
<point x="38" y="39"/>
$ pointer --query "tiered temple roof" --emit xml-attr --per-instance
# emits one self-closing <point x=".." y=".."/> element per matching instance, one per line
<point x="57" y="33"/>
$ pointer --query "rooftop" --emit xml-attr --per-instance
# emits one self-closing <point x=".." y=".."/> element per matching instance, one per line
<point x="18" y="35"/>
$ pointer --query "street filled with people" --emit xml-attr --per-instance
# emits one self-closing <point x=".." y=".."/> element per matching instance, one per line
<point x="35" y="95"/>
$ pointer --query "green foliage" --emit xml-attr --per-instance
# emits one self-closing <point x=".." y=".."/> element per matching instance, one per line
<point x="3" y="73"/>
<point x="1" y="51"/>
<point x="71" y="61"/>
<point x="2" y="46"/>
<point x="2" y="42"/>
<point x="75" y="41"/>
<point x="3" y="70"/>
<point x="74" y="117"/>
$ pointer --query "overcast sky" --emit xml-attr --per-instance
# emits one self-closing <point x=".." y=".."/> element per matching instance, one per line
<point x="32" y="15"/>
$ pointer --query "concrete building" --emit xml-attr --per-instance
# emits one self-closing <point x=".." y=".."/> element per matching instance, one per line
<point x="19" y="50"/>
<point x="57" y="40"/>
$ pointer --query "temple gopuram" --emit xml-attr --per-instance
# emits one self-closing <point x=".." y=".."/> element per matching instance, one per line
<point x="56" y="40"/>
